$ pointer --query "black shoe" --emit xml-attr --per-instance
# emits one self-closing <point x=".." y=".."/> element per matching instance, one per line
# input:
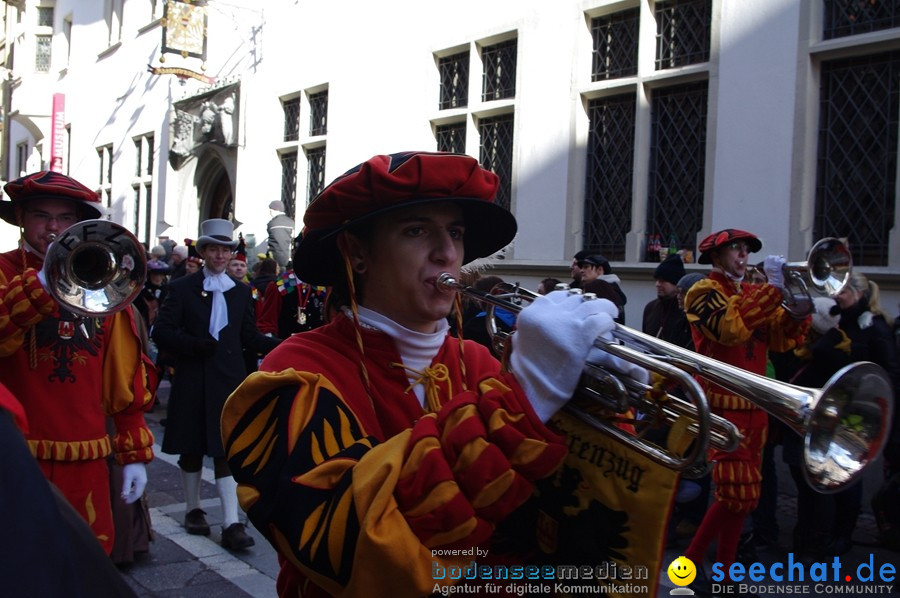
<point x="235" y="538"/>
<point x="195" y="522"/>
<point x="746" y="550"/>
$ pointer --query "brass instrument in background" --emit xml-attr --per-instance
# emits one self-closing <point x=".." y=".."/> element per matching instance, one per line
<point x="828" y="267"/>
<point x="95" y="268"/>
<point x="845" y="424"/>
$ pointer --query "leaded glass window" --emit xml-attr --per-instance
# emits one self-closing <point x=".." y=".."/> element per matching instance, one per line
<point x="318" y="113"/>
<point x="682" y="32"/>
<point x="852" y="17"/>
<point x="499" y="80"/>
<point x="857" y="154"/>
<point x="289" y="181"/>
<point x="451" y="138"/>
<point x="316" y="172"/>
<point x="454" y="73"/>
<point x="42" y="44"/>
<point x="609" y="188"/>
<point x="291" y="119"/>
<point x="677" y="162"/>
<point x="496" y="135"/>
<point x="615" y="45"/>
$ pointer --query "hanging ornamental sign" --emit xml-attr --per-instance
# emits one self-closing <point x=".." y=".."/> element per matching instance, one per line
<point x="184" y="34"/>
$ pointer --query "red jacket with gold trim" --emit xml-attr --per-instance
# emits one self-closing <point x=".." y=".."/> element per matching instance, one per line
<point x="738" y="324"/>
<point x="69" y="382"/>
<point x="358" y="488"/>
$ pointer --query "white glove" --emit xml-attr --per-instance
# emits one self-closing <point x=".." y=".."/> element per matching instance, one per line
<point x="822" y="320"/>
<point x="553" y="338"/>
<point x="598" y="356"/>
<point x="773" y="268"/>
<point x="135" y="480"/>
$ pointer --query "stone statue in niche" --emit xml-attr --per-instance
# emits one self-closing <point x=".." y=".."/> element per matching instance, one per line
<point x="206" y="119"/>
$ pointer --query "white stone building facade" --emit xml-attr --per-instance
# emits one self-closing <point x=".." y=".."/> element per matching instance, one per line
<point x="676" y="118"/>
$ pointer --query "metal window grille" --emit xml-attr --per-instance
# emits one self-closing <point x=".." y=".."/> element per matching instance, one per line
<point x="315" y="159"/>
<point x="496" y="153"/>
<point x="454" y="72"/>
<point x="138" y="165"/>
<point x="137" y="214"/>
<point x="289" y="181"/>
<point x="682" y="32"/>
<point x="615" y="45"/>
<point x="149" y="141"/>
<point x="45" y="16"/>
<point x="499" y="80"/>
<point x="851" y="17"/>
<point x="857" y="154"/>
<point x="451" y="138"/>
<point x="318" y="113"/>
<point x="148" y="198"/>
<point x="291" y="119"/>
<point x="610" y="164"/>
<point x="677" y="162"/>
<point x="42" y="46"/>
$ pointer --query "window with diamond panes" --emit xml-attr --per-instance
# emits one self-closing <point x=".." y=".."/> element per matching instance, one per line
<point x="852" y="17"/>
<point x="451" y="138"/>
<point x="454" y="72"/>
<point x="315" y="159"/>
<point x="45" y="16"/>
<point x="42" y="44"/>
<point x="677" y="163"/>
<point x="610" y="162"/>
<point x="499" y="79"/>
<point x="682" y="32"/>
<point x="857" y="154"/>
<point x="289" y="181"/>
<point x="615" y="45"/>
<point x="318" y="113"/>
<point x="496" y="153"/>
<point x="291" y="119"/>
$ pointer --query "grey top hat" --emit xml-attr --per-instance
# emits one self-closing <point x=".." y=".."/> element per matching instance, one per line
<point x="218" y="232"/>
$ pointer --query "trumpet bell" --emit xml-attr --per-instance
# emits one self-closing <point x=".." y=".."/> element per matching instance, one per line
<point x="847" y="428"/>
<point x="95" y="268"/>
<point x="829" y="264"/>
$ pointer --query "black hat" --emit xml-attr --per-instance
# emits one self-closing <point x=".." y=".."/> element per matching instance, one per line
<point x="671" y="269"/>
<point x="595" y="259"/>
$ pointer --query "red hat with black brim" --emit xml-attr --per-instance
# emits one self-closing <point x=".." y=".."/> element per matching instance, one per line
<point x="49" y="185"/>
<point x="724" y="237"/>
<point x="388" y="182"/>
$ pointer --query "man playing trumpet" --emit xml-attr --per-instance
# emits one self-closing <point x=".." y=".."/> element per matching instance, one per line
<point x="377" y="450"/>
<point x="67" y="377"/>
<point x="736" y="322"/>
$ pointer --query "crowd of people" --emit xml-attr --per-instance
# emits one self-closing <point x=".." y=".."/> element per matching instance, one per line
<point x="365" y="418"/>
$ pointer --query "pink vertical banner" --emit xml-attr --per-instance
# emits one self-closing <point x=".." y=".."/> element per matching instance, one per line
<point x="58" y="132"/>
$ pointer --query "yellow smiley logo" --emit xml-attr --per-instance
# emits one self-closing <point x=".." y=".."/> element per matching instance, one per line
<point x="682" y="571"/>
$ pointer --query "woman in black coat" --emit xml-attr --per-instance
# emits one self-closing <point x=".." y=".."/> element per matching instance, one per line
<point x="204" y="324"/>
<point x="854" y="329"/>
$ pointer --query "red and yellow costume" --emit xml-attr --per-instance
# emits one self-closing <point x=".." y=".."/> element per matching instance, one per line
<point x="355" y="483"/>
<point x="736" y="323"/>
<point x="69" y="383"/>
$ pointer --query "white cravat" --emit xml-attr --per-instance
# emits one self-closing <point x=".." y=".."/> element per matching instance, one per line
<point x="217" y="284"/>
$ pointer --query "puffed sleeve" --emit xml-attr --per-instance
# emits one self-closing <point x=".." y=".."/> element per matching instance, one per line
<point x="129" y="381"/>
<point x="362" y="517"/>
<point x="23" y="303"/>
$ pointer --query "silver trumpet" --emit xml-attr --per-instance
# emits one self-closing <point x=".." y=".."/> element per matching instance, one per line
<point x="95" y="268"/>
<point x="844" y="425"/>
<point x="828" y="267"/>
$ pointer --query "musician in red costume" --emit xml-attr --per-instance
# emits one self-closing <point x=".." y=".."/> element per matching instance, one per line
<point x="70" y="374"/>
<point x="736" y="322"/>
<point x="371" y="448"/>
